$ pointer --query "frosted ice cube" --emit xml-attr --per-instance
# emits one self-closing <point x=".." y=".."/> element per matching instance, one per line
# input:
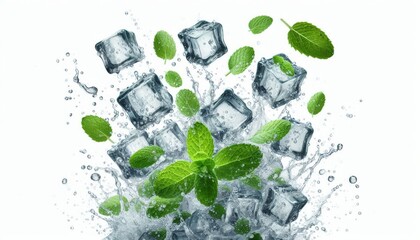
<point x="295" y="143"/>
<point x="246" y="205"/>
<point x="274" y="85"/>
<point x="203" y="42"/>
<point x="122" y="152"/>
<point x="171" y="139"/>
<point x="201" y="224"/>
<point x="146" y="101"/>
<point x="283" y="204"/>
<point x="228" y="113"/>
<point x="119" y="51"/>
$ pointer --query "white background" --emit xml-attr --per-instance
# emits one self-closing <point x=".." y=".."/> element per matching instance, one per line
<point x="376" y="59"/>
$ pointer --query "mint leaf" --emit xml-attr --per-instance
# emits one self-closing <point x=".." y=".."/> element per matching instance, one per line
<point x="217" y="211"/>
<point x="237" y="161"/>
<point x="255" y="236"/>
<point x="146" y="157"/>
<point x="309" y="40"/>
<point x="173" y="79"/>
<point x="187" y="102"/>
<point x="159" y="234"/>
<point x="175" y="179"/>
<point x="240" y="60"/>
<point x="137" y="204"/>
<point x="253" y="181"/>
<point x="164" y="45"/>
<point x="206" y="187"/>
<point x="202" y="166"/>
<point x="316" y="103"/>
<point x="259" y="24"/>
<point x="161" y="207"/>
<point x="199" y="142"/>
<point x="145" y="189"/>
<point x="271" y="132"/>
<point x="181" y="217"/>
<point x="112" y="206"/>
<point x="275" y="176"/>
<point x="242" y="226"/>
<point x="285" y="66"/>
<point x="96" y="128"/>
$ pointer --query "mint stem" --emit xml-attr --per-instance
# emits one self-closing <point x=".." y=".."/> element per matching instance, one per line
<point x="109" y="139"/>
<point x="286" y="23"/>
<point x="227" y="74"/>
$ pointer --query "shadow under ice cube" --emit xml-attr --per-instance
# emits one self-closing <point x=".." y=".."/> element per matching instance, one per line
<point x="119" y="51"/>
<point x="295" y="144"/>
<point x="203" y="42"/>
<point x="283" y="204"/>
<point x="228" y="113"/>
<point x="246" y="205"/>
<point x="146" y="101"/>
<point x="171" y="140"/>
<point x="122" y="152"/>
<point x="276" y="86"/>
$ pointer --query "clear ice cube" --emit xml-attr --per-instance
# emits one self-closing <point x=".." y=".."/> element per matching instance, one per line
<point x="122" y="152"/>
<point x="179" y="234"/>
<point x="226" y="114"/>
<point x="119" y="51"/>
<point x="201" y="224"/>
<point x="148" y="236"/>
<point x="203" y="42"/>
<point x="295" y="144"/>
<point x="171" y="139"/>
<point x="274" y="85"/>
<point x="246" y="205"/>
<point x="283" y="204"/>
<point x="146" y="101"/>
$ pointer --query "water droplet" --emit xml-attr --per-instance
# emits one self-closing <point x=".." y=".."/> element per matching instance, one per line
<point x="357" y="197"/>
<point x="83" y="167"/>
<point x="349" y="115"/>
<point x="322" y="172"/>
<point x="89" y="167"/>
<point x="126" y="13"/>
<point x="331" y="178"/>
<point x="360" y="213"/>
<point x="353" y="179"/>
<point x="339" y="147"/>
<point x="95" y="177"/>
<point x="64" y="181"/>
<point x="67" y="54"/>
<point x="173" y="64"/>
<point x="357" y="185"/>
<point x="58" y="60"/>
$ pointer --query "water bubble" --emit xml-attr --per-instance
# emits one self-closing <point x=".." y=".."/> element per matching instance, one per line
<point x="173" y="64"/>
<point x="339" y="146"/>
<point x="357" y="185"/>
<point x="67" y="54"/>
<point x="83" y="167"/>
<point x="357" y="196"/>
<point x="331" y="178"/>
<point x="322" y="172"/>
<point x="95" y="177"/>
<point x="64" y="181"/>
<point x="89" y="167"/>
<point x="353" y="179"/>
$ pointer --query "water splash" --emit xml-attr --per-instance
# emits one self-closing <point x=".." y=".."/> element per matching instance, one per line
<point x="91" y="90"/>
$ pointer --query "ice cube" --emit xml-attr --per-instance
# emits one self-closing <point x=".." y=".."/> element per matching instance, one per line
<point x="246" y="205"/>
<point x="295" y="143"/>
<point x="283" y="204"/>
<point x="179" y="235"/>
<point x="201" y="224"/>
<point x="122" y="152"/>
<point x="273" y="84"/>
<point x="150" y="236"/>
<point x="119" y="51"/>
<point x="226" y="114"/>
<point x="171" y="139"/>
<point x="146" y="101"/>
<point x="203" y="42"/>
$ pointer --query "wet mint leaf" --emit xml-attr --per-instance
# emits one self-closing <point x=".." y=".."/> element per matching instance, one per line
<point x="309" y="40"/>
<point x="237" y="161"/>
<point x="187" y="102"/>
<point x="181" y="217"/>
<point x="96" y="128"/>
<point x="255" y="236"/>
<point x="202" y="166"/>
<point x="164" y="45"/>
<point x="240" y="60"/>
<point x="253" y="181"/>
<point x="146" y="157"/>
<point x="161" y="207"/>
<point x="206" y="187"/>
<point x="275" y="177"/>
<point x="112" y="206"/>
<point x="217" y="211"/>
<point x="159" y="234"/>
<point x="175" y="179"/>
<point x="260" y="24"/>
<point x="271" y="132"/>
<point x="242" y="226"/>
<point x="145" y="189"/>
<point x="285" y="66"/>
<point x="200" y="143"/>
<point x="316" y="103"/>
<point x="173" y="79"/>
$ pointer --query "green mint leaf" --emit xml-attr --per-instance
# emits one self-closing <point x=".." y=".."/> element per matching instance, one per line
<point x="200" y="143"/>
<point x="173" y="79"/>
<point x="181" y="217"/>
<point x="240" y="60"/>
<point x="242" y="226"/>
<point x="112" y="206"/>
<point x="202" y="166"/>
<point x="160" y="207"/>
<point x="164" y="45"/>
<point x="253" y="181"/>
<point x="259" y="24"/>
<point x="285" y="66"/>
<point x="217" y="211"/>
<point x="271" y="132"/>
<point x="237" y="161"/>
<point x="175" y="179"/>
<point x="187" y="102"/>
<point x="206" y="187"/>
<point x="146" y="157"/>
<point x="145" y="189"/>
<point x="309" y="40"/>
<point x="255" y="236"/>
<point x="275" y="176"/>
<point x="159" y="234"/>
<point x="316" y="103"/>
<point x="96" y="128"/>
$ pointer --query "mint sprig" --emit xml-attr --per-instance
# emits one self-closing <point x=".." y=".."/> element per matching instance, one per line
<point x="146" y="157"/>
<point x="97" y="128"/>
<point x="271" y="132"/>
<point x="164" y="45"/>
<point x="240" y="60"/>
<point x="112" y="205"/>
<point x="316" y="103"/>
<point x="259" y="24"/>
<point x="187" y="102"/>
